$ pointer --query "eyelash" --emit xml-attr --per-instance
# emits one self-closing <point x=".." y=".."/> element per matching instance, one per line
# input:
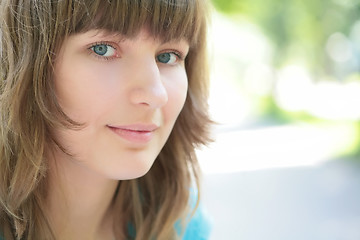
<point x="178" y="54"/>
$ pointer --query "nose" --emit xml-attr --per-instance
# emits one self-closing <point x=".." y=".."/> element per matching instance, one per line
<point x="147" y="85"/>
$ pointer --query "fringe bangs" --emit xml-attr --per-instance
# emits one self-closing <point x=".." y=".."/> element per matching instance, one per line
<point x="166" y="20"/>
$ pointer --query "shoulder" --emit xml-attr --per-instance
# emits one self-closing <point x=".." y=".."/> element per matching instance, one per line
<point x="199" y="226"/>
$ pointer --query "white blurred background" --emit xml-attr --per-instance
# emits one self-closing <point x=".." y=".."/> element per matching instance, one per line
<point x="284" y="163"/>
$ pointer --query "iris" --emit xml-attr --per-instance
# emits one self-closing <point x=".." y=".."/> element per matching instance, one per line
<point x="164" y="57"/>
<point x="101" y="49"/>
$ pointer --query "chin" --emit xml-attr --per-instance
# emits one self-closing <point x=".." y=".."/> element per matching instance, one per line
<point x="132" y="172"/>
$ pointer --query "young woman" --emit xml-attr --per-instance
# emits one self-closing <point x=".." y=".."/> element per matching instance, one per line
<point x="102" y="103"/>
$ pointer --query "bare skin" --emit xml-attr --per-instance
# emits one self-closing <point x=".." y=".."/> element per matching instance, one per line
<point x="128" y="93"/>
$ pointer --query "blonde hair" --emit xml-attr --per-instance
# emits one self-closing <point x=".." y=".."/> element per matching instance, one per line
<point x="31" y="33"/>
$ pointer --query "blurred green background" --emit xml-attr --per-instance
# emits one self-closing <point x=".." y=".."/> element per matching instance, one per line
<point x="288" y="61"/>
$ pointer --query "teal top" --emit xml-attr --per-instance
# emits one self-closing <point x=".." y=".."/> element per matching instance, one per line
<point x="199" y="227"/>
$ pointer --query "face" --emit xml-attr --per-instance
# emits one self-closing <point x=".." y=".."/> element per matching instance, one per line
<point x="127" y="93"/>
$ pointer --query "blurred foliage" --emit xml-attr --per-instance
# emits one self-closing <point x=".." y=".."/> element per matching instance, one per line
<point x="301" y="32"/>
<point x="297" y="28"/>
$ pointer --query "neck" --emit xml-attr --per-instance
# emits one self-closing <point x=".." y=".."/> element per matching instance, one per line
<point x="79" y="201"/>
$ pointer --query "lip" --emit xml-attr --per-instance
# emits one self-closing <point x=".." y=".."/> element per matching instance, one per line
<point x="135" y="133"/>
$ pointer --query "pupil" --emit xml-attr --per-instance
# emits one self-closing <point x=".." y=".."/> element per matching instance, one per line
<point x="100" y="49"/>
<point x="164" y="58"/>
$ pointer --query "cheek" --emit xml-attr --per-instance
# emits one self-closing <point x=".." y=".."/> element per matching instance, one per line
<point x="83" y="90"/>
<point x="177" y="88"/>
